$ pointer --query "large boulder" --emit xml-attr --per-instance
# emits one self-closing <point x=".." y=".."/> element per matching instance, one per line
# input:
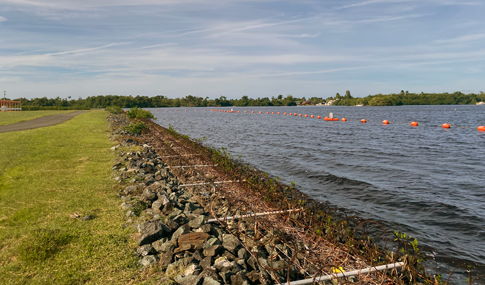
<point x="150" y="232"/>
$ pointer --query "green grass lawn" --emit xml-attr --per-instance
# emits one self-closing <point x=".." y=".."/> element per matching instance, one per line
<point x="47" y="174"/>
<point x="7" y="118"/>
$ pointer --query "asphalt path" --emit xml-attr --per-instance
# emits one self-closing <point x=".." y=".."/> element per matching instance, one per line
<point x="41" y="122"/>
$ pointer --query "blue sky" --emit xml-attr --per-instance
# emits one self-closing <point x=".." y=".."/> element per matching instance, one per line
<point x="259" y="48"/>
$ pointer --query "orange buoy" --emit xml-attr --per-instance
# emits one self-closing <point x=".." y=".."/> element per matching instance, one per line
<point x="260" y="112"/>
<point x="239" y="111"/>
<point x="185" y="110"/>
<point x="385" y="122"/>
<point x="245" y="112"/>
<point x="312" y="116"/>
<point x="344" y="119"/>
<point x="204" y="109"/>
<point x="166" y="110"/>
<point x="156" y="110"/>
<point x="272" y="113"/>
<point x="306" y="115"/>
<point x="363" y="121"/>
<point x="481" y="128"/>
<point x="414" y="124"/>
<point x="267" y="112"/>
<point x="318" y="117"/>
<point x="299" y="115"/>
<point x="176" y="110"/>
<point x="284" y="114"/>
<point x="294" y="114"/>
<point x="278" y="113"/>
<point x="446" y="126"/>
<point x="252" y="112"/>
<point x="291" y="114"/>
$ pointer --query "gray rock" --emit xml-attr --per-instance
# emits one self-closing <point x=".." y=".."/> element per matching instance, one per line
<point x="164" y="199"/>
<point x="199" y="211"/>
<point x="150" y="232"/>
<point x="229" y="255"/>
<point x="169" y="246"/>
<point x="242" y="263"/>
<point x="210" y="242"/>
<point x="230" y="243"/>
<point x="253" y="263"/>
<point x="180" y="219"/>
<point x="224" y="265"/>
<point x="171" y="223"/>
<point x="157" y="245"/>
<point x="180" y="231"/>
<point x="148" y="260"/>
<point x="166" y="259"/>
<point x="239" y="279"/>
<point x="157" y="205"/>
<point x="198" y="255"/>
<point x="206" y="262"/>
<point x="212" y="273"/>
<point x="226" y="276"/>
<point x="204" y="228"/>
<point x="190" y="270"/>
<point x="253" y="276"/>
<point x="212" y="250"/>
<point x="149" y="195"/>
<point x="130" y="214"/>
<point x="210" y="281"/>
<point x="189" y="280"/>
<point x="146" y="249"/>
<point x="129" y="190"/>
<point x="243" y="253"/>
<point x="189" y="207"/>
<point x="127" y="206"/>
<point x="197" y="222"/>
<point x="149" y="179"/>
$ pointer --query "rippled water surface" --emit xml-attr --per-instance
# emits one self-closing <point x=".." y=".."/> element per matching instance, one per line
<point x="426" y="181"/>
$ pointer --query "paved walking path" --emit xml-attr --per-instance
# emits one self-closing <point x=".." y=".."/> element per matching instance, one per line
<point x="41" y="122"/>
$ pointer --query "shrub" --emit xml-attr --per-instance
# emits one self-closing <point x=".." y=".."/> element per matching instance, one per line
<point x="138" y="113"/>
<point x="114" y="110"/>
<point x="136" y="128"/>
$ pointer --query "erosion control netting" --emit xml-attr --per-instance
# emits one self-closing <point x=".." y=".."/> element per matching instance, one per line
<point x="291" y="236"/>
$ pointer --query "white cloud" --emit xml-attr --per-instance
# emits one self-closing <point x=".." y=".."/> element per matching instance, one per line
<point x="2" y="19"/>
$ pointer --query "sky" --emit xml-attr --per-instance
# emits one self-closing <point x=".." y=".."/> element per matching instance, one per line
<point x="232" y="48"/>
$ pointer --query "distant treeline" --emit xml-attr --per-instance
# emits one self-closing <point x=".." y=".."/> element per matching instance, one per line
<point x="103" y="101"/>
<point x="406" y="98"/>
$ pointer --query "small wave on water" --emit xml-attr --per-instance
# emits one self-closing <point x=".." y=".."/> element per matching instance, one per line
<point x="425" y="181"/>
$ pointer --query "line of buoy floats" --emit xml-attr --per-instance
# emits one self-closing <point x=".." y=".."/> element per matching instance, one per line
<point x="328" y="118"/>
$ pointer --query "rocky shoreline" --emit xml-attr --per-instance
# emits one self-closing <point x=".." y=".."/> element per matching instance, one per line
<point x="173" y="229"/>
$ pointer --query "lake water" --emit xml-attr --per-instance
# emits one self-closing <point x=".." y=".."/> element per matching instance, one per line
<point x="426" y="181"/>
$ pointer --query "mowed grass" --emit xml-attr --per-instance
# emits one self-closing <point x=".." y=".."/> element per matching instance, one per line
<point x="7" y="118"/>
<point x="45" y="175"/>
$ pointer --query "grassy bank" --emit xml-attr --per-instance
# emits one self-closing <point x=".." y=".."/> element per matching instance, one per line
<point x="7" y="118"/>
<point x="46" y="175"/>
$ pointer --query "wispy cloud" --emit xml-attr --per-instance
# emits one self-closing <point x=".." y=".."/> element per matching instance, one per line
<point x="2" y="19"/>
<point x="178" y="47"/>
<point x="465" y="38"/>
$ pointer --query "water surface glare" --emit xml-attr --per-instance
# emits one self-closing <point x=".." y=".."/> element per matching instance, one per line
<point x="426" y="181"/>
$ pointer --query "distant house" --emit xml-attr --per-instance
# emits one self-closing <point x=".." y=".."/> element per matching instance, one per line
<point x="307" y="102"/>
<point x="330" y="102"/>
